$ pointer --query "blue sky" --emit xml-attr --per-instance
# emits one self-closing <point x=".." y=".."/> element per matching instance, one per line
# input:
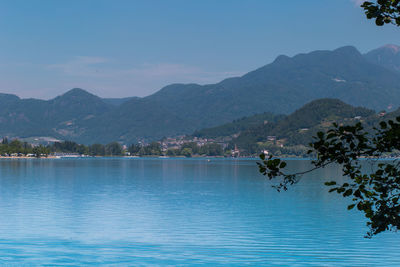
<point x="116" y="48"/>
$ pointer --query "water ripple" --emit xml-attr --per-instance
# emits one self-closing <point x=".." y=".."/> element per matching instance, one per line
<point x="177" y="212"/>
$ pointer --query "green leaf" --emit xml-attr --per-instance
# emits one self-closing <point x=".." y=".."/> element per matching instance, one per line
<point x="387" y="19"/>
<point x="379" y="21"/>
<point x="350" y="207"/>
<point x="348" y="192"/>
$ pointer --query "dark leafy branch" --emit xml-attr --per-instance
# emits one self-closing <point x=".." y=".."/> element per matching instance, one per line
<point x="383" y="11"/>
<point x="374" y="193"/>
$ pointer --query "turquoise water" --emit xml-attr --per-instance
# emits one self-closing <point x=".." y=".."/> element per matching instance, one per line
<point x="177" y="212"/>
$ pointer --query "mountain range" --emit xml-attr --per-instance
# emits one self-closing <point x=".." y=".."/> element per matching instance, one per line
<point x="371" y="80"/>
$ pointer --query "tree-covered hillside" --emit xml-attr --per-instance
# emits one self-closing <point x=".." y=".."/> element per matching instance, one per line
<point x="63" y="117"/>
<point x="237" y="126"/>
<point x="289" y="133"/>
<point x="297" y="129"/>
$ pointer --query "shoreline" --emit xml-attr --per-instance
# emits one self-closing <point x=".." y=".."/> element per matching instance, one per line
<point x="26" y="157"/>
<point x="175" y="157"/>
<point x="126" y="157"/>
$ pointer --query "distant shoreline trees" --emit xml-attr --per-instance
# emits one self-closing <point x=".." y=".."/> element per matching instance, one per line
<point x="17" y="148"/>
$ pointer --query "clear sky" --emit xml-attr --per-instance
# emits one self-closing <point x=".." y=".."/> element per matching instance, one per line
<point x="116" y="48"/>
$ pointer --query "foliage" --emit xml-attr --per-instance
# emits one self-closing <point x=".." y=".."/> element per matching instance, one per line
<point x="97" y="150"/>
<point x="383" y="11"/>
<point x="189" y="149"/>
<point x="68" y="147"/>
<point x="111" y="149"/>
<point x="187" y="152"/>
<point x="114" y="149"/>
<point x="134" y="149"/>
<point x="374" y="193"/>
<point x="16" y="147"/>
<point x="152" y="149"/>
<point x="192" y="149"/>
<point x="237" y="126"/>
<point x="212" y="149"/>
<point x="40" y="151"/>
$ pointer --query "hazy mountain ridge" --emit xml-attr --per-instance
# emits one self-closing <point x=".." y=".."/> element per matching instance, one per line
<point x="280" y="88"/>
<point x="387" y="56"/>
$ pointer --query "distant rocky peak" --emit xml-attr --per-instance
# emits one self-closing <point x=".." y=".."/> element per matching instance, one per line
<point x="348" y="51"/>
<point x="77" y="92"/>
<point x="387" y="56"/>
<point x="281" y="58"/>
<point x="395" y="49"/>
<point x="347" y="48"/>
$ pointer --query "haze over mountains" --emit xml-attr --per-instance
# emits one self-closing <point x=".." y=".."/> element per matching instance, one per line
<point x="371" y="80"/>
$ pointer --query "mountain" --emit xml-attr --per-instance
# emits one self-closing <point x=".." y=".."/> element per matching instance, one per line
<point x="237" y="126"/>
<point x="76" y="104"/>
<point x="387" y="56"/>
<point x="63" y="117"/>
<point x="118" y="101"/>
<point x="136" y="120"/>
<point x="299" y="127"/>
<point x="279" y="88"/>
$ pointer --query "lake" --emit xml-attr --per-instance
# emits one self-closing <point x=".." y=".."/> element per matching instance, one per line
<point x="119" y="211"/>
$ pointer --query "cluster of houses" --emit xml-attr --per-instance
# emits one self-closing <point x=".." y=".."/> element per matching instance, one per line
<point x="17" y="155"/>
<point x="177" y="142"/>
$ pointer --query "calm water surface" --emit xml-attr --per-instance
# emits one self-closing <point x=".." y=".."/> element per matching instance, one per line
<point x="177" y="212"/>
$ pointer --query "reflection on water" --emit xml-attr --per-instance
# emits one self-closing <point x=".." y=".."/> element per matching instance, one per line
<point x="177" y="211"/>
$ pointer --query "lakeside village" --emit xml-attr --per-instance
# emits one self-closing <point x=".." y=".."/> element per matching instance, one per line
<point x="181" y="146"/>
